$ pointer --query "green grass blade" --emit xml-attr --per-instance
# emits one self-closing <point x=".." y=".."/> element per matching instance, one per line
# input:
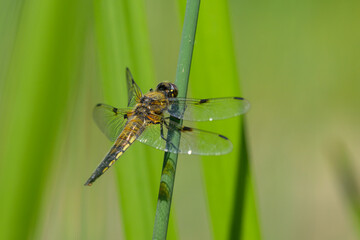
<point x="243" y="203"/>
<point x="40" y="74"/>
<point x="170" y="159"/>
<point x="216" y="75"/>
<point x="240" y="190"/>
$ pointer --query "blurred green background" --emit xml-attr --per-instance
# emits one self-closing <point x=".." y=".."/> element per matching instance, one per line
<point x="297" y="62"/>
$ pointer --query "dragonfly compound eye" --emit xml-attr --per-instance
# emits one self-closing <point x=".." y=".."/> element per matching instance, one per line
<point x="162" y="86"/>
<point x="169" y="89"/>
<point x="173" y="90"/>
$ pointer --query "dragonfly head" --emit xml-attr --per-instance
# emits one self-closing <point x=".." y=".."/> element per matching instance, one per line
<point x="169" y="89"/>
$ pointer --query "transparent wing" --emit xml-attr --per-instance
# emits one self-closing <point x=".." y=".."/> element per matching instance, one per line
<point x="110" y="120"/>
<point x="192" y="141"/>
<point x="134" y="92"/>
<point x="207" y="109"/>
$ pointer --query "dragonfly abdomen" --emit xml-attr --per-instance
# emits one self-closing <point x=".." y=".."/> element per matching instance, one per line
<point x="128" y="135"/>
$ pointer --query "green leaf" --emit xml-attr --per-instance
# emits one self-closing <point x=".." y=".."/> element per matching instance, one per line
<point x="40" y="73"/>
<point x="215" y="75"/>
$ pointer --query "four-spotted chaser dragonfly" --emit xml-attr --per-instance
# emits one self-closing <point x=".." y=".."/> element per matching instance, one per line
<point x="147" y="119"/>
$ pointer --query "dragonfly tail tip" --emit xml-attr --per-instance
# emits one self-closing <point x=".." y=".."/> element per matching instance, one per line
<point x="88" y="183"/>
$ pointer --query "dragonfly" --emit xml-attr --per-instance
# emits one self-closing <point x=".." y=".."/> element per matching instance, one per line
<point x="151" y="119"/>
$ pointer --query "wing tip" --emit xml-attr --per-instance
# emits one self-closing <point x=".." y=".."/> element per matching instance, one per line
<point x="246" y="104"/>
<point x="128" y="72"/>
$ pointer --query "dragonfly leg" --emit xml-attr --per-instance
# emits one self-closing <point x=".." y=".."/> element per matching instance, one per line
<point x="171" y="145"/>
<point x="162" y="131"/>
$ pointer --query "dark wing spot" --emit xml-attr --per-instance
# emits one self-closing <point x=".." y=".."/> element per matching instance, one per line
<point x="187" y="129"/>
<point x="238" y="98"/>
<point x="204" y="101"/>
<point x="98" y="105"/>
<point x="125" y="116"/>
<point x="115" y="110"/>
<point x="222" y="136"/>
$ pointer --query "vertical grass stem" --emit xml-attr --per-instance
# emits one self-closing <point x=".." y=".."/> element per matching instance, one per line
<point x="170" y="159"/>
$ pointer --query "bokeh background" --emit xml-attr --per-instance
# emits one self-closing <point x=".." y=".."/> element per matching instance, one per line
<point x="297" y="62"/>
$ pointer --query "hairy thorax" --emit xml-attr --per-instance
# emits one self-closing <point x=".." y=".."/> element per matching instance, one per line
<point x="152" y="106"/>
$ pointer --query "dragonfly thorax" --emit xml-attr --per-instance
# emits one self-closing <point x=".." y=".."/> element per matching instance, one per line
<point x="146" y="100"/>
<point x="142" y="110"/>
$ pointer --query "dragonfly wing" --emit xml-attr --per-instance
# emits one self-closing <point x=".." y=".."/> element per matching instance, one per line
<point x="207" y="109"/>
<point x="134" y="92"/>
<point x="192" y="141"/>
<point x="110" y="120"/>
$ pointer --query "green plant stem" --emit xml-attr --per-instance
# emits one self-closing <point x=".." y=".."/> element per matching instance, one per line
<point x="170" y="159"/>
